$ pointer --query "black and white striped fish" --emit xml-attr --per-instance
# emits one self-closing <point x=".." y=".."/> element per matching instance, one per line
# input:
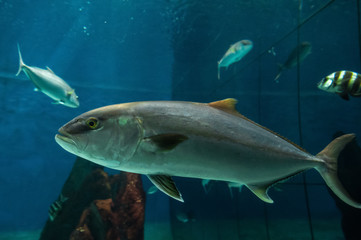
<point x="56" y="207"/>
<point x="343" y="83"/>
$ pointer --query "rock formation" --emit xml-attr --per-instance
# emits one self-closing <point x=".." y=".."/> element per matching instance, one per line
<point x="98" y="206"/>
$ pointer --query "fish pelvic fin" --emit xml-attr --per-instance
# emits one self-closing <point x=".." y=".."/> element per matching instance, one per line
<point x="328" y="170"/>
<point x="21" y="63"/>
<point x="344" y="96"/>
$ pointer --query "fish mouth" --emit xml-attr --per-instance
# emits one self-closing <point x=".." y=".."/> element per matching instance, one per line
<point x="64" y="138"/>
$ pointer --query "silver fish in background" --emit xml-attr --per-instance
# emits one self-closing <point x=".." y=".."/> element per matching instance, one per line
<point x="207" y="141"/>
<point x="343" y="83"/>
<point x="304" y="49"/>
<point x="50" y="84"/>
<point x="56" y="207"/>
<point x="235" y="53"/>
<point x="151" y="190"/>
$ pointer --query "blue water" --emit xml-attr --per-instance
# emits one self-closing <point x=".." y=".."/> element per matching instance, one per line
<point x="123" y="51"/>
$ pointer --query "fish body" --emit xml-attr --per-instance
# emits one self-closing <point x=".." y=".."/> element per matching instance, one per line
<point x="196" y="140"/>
<point x="343" y="83"/>
<point x="235" y="53"/>
<point x="50" y="84"/>
<point x="304" y="49"/>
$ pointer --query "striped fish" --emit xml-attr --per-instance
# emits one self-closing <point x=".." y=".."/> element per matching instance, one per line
<point x="56" y="207"/>
<point x="343" y="83"/>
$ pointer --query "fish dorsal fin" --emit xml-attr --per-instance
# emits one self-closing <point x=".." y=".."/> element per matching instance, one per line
<point x="166" y="184"/>
<point x="50" y="70"/>
<point x="227" y="105"/>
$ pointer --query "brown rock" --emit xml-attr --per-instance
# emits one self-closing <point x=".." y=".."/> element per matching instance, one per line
<point x="99" y="206"/>
<point x="121" y="218"/>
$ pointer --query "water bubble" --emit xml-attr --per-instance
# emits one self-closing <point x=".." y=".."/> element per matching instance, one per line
<point x="84" y="27"/>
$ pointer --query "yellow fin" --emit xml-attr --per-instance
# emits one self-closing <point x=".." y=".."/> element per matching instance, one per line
<point x="261" y="192"/>
<point x="227" y="105"/>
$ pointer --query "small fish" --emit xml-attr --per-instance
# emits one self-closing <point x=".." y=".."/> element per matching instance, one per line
<point x="272" y="51"/>
<point x="196" y="140"/>
<point x="56" y="207"/>
<point x="153" y="189"/>
<point x="343" y="83"/>
<point x="235" y="53"/>
<point x="185" y="217"/>
<point x="50" y="84"/>
<point x="205" y="183"/>
<point x="304" y="49"/>
<point x="232" y="185"/>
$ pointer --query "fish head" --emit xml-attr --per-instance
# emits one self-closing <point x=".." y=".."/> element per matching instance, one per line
<point x="71" y="99"/>
<point x="244" y="45"/>
<point x="106" y="136"/>
<point x="327" y="83"/>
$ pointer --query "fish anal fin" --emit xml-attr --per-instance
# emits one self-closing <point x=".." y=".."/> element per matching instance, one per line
<point x="166" y="184"/>
<point x="165" y="142"/>
<point x="227" y="105"/>
<point x="260" y="191"/>
<point x="50" y="70"/>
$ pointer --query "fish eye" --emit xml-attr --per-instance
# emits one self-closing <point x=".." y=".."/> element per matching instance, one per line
<point x="92" y="123"/>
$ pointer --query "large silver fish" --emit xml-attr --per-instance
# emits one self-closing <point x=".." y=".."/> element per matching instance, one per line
<point x="50" y="84"/>
<point x="343" y="83"/>
<point x="304" y="49"/>
<point x="208" y="141"/>
<point x="235" y="53"/>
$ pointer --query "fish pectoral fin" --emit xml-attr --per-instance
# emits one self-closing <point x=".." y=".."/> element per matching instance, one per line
<point x="50" y="70"/>
<point x="166" y="184"/>
<point x="261" y="191"/>
<point x="165" y="142"/>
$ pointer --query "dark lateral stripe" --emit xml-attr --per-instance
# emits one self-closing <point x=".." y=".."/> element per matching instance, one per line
<point x="356" y="87"/>
<point x="336" y="81"/>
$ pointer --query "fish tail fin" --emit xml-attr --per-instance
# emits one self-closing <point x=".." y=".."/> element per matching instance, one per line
<point x="21" y="63"/>
<point x="329" y="170"/>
